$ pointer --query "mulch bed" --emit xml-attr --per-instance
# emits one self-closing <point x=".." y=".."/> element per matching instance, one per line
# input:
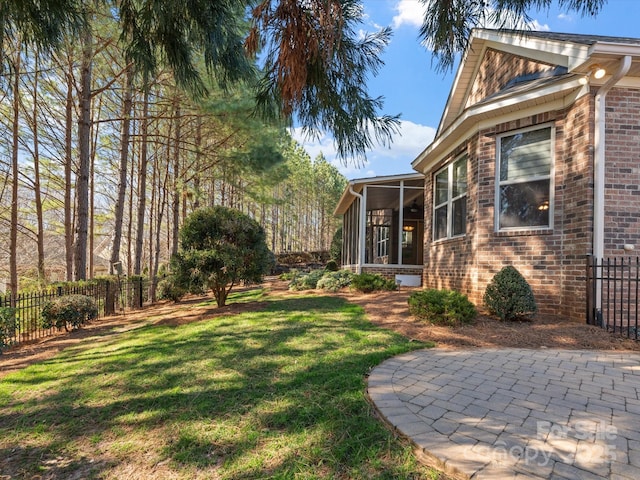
<point x="387" y="310"/>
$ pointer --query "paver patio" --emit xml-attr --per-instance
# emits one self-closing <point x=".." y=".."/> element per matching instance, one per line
<point x="516" y="413"/>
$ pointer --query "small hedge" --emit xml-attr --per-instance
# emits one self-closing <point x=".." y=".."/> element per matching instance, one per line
<point x="368" y="282"/>
<point x="8" y="326"/>
<point x="306" y="281"/>
<point x="69" y="311"/>
<point x="334" y="281"/>
<point x="441" y="307"/>
<point x="509" y="296"/>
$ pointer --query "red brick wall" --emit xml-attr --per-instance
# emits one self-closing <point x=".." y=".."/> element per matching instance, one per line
<point x="496" y="70"/>
<point x="622" y="185"/>
<point x="553" y="260"/>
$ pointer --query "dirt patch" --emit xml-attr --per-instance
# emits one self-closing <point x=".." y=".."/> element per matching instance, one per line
<point x="387" y="310"/>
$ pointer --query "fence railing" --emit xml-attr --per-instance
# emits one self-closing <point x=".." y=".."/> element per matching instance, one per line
<point x="613" y="286"/>
<point x="111" y="297"/>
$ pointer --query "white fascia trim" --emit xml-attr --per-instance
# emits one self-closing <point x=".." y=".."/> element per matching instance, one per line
<point x="556" y="52"/>
<point x="494" y="113"/>
<point x="614" y="49"/>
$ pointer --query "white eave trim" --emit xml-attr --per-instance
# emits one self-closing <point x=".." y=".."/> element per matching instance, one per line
<point x="541" y="99"/>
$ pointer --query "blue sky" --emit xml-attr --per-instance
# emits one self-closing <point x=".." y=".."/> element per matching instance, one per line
<point x="412" y="88"/>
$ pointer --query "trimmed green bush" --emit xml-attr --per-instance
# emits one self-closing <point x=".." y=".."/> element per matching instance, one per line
<point x="69" y="311"/>
<point x="168" y="289"/>
<point x="442" y="307"/>
<point x="332" y="266"/>
<point x="8" y="326"/>
<point x="369" y="282"/>
<point x="220" y="248"/>
<point x="334" y="281"/>
<point x="509" y="296"/>
<point x="306" y="281"/>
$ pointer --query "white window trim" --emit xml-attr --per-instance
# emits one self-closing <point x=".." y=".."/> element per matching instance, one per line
<point x="550" y="177"/>
<point x="450" y="200"/>
<point x="382" y="244"/>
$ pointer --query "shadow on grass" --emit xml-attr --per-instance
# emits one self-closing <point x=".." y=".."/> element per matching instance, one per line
<point x="273" y="393"/>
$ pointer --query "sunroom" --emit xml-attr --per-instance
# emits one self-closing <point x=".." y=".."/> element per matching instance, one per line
<point x="383" y="226"/>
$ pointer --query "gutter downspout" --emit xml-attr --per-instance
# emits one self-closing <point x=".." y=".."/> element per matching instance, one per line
<point x="599" y="141"/>
<point x="361" y="230"/>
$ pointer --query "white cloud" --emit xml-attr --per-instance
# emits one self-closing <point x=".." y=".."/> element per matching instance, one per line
<point x="535" y="25"/>
<point x="410" y="12"/>
<point x="565" y="17"/>
<point x="410" y="140"/>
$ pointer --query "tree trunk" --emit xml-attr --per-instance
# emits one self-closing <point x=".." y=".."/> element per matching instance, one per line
<point x="36" y="177"/>
<point x="15" y="137"/>
<point x="92" y="189"/>
<point x="68" y="167"/>
<point x="124" y="158"/>
<point x="84" y="143"/>
<point x="176" y="178"/>
<point x="142" y="185"/>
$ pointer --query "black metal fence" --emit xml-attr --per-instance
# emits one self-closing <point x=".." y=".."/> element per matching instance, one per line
<point x="111" y="297"/>
<point x="613" y="285"/>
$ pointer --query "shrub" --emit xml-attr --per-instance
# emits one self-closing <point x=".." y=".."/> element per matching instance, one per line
<point x="168" y="289"/>
<point x="334" y="281"/>
<point x="306" y="281"/>
<point x="332" y="266"/>
<point x="290" y="275"/>
<point x="335" y="250"/>
<point x="221" y="247"/>
<point x="8" y="326"/>
<point x="442" y="307"/>
<point x="509" y="296"/>
<point x="369" y="282"/>
<point x="69" y="311"/>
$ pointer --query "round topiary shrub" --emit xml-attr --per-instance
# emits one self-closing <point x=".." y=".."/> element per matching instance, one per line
<point x="509" y="296"/>
<point x="442" y="307"/>
<point x="332" y="266"/>
<point x="69" y="311"/>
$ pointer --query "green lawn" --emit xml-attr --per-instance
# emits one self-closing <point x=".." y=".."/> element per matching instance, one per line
<point x="277" y="393"/>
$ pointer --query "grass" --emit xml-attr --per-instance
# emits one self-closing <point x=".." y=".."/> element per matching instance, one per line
<point x="277" y="393"/>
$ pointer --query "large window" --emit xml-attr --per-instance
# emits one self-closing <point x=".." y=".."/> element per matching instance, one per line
<point x="450" y="200"/>
<point x="523" y="194"/>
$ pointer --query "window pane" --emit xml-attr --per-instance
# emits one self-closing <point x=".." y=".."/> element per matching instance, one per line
<point x="442" y="186"/>
<point x="440" y="223"/>
<point x="459" y="177"/>
<point x="459" y="216"/>
<point x="525" y="155"/>
<point x="524" y="204"/>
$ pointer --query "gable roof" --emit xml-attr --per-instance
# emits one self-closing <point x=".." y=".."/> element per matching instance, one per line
<point x="572" y="55"/>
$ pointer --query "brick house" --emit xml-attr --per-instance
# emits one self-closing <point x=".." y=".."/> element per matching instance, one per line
<point x="535" y="164"/>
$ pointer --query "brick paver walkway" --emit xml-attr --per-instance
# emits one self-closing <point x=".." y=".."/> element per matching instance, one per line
<point x="516" y="413"/>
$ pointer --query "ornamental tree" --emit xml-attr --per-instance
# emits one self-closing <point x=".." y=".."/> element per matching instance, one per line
<point x="220" y="248"/>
